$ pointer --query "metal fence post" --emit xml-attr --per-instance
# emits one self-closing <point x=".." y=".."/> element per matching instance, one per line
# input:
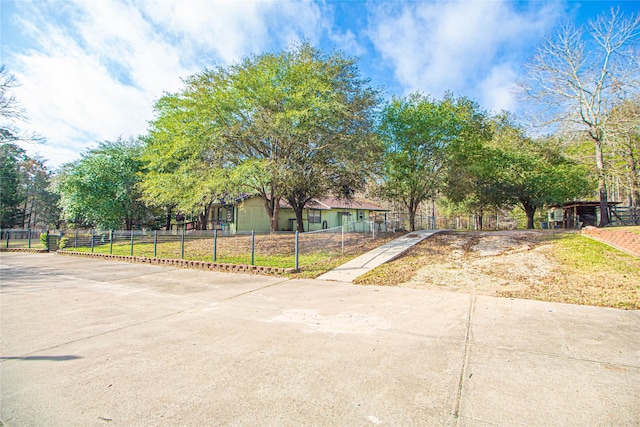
<point x="297" y="266"/>
<point x="7" y="238"/>
<point x="215" y="245"/>
<point x="75" y="241"/>
<point x="92" y="232"/>
<point x="110" y="242"/>
<point x="155" y="243"/>
<point x="29" y="238"/>
<point x="253" y="246"/>
<point x="131" y="248"/>
<point x="182" y="244"/>
<point x="46" y="241"/>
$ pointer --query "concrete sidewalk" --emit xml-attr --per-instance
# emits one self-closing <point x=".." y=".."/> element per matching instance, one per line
<point x="88" y="342"/>
<point x="349" y="271"/>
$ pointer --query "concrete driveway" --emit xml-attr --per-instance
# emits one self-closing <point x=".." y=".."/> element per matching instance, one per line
<point x="96" y="343"/>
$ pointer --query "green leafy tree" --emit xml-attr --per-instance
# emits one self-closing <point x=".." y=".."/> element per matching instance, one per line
<point x="183" y="163"/>
<point x="101" y="188"/>
<point x="25" y="199"/>
<point x="472" y="184"/>
<point x="11" y="196"/>
<point x="420" y="134"/>
<point x="295" y="124"/>
<point x="514" y="170"/>
<point x="40" y="205"/>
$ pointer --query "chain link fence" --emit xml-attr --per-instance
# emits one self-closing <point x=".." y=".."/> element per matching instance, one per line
<point x="24" y="239"/>
<point x="282" y="249"/>
<point x="317" y="249"/>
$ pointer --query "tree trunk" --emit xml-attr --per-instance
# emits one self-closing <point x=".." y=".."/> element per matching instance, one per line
<point x="202" y="219"/>
<point x="602" y="185"/>
<point x="272" y="206"/>
<point x="413" y="208"/>
<point x="530" y="210"/>
<point x="24" y="216"/>
<point x="168" y="224"/>
<point x="274" y="218"/>
<point x="299" y="223"/>
<point x="634" y="184"/>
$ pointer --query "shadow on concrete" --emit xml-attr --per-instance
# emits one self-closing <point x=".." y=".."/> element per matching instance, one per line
<point x="49" y="358"/>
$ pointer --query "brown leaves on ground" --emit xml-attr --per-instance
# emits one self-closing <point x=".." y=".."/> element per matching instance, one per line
<point x="518" y="264"/>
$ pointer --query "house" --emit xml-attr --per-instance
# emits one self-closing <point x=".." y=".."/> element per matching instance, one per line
<point x="247" y="213"/>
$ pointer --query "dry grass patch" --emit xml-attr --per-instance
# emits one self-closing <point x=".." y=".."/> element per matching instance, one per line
<point x="548" y="266"/>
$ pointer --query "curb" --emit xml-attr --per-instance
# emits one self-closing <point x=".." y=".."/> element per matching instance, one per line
<point x="183" y="263"/>
<point x="622" y="240"/>
<point x="29" y="250"/>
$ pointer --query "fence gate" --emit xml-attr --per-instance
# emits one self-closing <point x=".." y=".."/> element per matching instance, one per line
<point x="53" y="242"/>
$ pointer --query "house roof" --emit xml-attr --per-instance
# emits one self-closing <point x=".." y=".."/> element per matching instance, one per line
<point x="337" y="203"/>
<point x="325" y="203"/>
<point x="582" y="203"/>
<point x="328" y="203"/>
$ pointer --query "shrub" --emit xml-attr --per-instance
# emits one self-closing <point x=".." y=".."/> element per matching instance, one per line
<point x="63" y="243"/>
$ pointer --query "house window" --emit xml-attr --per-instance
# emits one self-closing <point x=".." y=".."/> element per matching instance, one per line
<point x="360" y="215"/>
<point x="314" y="216"/>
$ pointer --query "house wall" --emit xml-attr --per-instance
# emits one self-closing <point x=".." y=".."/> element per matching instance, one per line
<point x="333" y="218"/>
<point x="283" y="219"/>
<point x="251" y="216"/>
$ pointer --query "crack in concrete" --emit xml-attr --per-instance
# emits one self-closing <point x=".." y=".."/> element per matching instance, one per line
<point x="142" y="322"/>
<point x="465" y="359"/>
<point x="256" y="289"/>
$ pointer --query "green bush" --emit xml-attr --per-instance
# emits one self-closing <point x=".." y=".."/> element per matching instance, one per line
<point x="63" y="243"/>
<point x="43" y="239"/>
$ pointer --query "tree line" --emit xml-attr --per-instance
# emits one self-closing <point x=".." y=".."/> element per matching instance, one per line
<point x="302" y="124"/>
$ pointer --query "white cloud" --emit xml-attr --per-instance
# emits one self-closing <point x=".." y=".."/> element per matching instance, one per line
<point x="98" y="66"/>
<point x="438" y="46"/>
<point x="497" y="89"/>
<point x="229" y="30"/>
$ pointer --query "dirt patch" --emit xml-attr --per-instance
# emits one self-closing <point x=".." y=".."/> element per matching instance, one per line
<point x="521" y="264"/>
<point x="486" y="263"/>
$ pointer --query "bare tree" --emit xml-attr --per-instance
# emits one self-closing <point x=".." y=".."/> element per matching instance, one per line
<point x="11" y="112"/>
<point x="581" y="74"/>
<point x="623" y="139"/>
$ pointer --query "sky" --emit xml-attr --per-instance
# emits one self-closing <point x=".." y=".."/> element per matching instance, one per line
<point x="91" y="70"/>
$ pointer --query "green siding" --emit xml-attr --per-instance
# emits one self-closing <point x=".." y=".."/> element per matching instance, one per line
<point x="251" y="216"/>
<point x="283" y="220"/>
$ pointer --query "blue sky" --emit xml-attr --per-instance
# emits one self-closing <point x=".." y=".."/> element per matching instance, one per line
<point x="90" y="70"/>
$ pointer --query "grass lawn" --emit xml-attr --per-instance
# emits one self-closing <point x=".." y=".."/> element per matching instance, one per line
<point x="318" y="254"/>
<point x="591" y="273"/>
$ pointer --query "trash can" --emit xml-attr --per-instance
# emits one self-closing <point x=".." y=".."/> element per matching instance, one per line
<point x="544" y="225"/>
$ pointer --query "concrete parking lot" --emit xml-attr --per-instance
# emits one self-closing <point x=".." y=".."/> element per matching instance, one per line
<point x="89" y="342"/>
